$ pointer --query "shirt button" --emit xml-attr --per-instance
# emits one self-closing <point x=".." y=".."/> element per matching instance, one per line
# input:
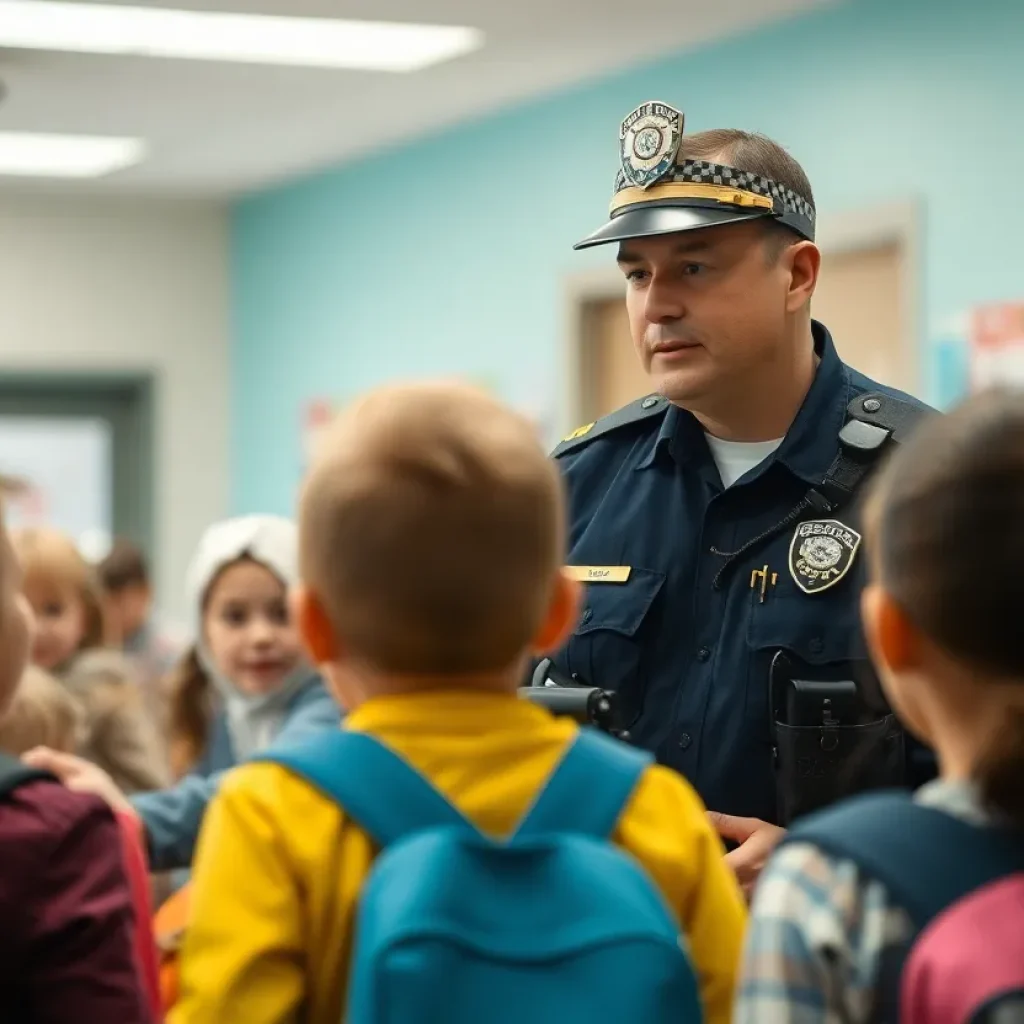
<point x="703" y="654"/>
<point x="586" y="616"/>
<point x="685" y="740"/>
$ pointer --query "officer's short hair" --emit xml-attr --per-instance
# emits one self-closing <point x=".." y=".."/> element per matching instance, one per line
<point x="756" y="153"/>
<point x="431" y="529"/>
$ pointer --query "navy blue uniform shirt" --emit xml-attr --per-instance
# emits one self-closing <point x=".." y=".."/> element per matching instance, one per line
<point x="690" y="655"/>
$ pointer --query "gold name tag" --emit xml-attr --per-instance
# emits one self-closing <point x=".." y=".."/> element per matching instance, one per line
<point x="599" y="573"/>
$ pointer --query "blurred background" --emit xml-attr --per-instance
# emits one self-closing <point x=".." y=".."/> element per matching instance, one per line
<point x="214" y="230"/>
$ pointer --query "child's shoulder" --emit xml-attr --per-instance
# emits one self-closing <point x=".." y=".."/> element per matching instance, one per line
<point x="104" y="681"/>
<point x="104" y="663"/>
<point x="43" y="814"/>
<point x="273" y="789"/>
<point x="665" y="823"/>
<point x="664" y="794"/>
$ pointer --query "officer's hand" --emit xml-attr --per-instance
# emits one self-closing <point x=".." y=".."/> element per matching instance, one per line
<point x="757" y="840"/>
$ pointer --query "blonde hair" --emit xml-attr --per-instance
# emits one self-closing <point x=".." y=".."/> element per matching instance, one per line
<point x="51" y="556"/>
<point x="42" y="713"/>
<point x="431" y="528"/>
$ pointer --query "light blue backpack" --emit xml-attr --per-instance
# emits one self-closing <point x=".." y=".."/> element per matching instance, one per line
<point x="554" y="925"/>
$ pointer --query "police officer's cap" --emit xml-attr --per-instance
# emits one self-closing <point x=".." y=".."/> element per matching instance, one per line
<point x="657" y="194"/>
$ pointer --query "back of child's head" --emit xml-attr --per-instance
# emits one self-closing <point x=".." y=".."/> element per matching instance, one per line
<point x="42" y="713"/>
<point x="55" y="571"/>
<point x="431" y="531"/>
<point x="946" y="532"/>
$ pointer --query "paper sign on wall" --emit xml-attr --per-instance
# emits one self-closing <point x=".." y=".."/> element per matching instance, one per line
<point x="997" y="346"/>
<point x="319" y="414"/>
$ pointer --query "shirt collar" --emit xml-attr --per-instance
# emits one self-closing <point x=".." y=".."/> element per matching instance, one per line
<point x="672" y="439"/>
<point x="457" y="711"/>
<point x="812" y="440"/>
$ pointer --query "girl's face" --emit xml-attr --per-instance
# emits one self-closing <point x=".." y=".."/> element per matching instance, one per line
<point x="61" y="621"/>
<point x="248" y="628"/>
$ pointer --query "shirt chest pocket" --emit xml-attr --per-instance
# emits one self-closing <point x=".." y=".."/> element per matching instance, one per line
<point x="608" y="645"/>
<point x="819" y="630"/>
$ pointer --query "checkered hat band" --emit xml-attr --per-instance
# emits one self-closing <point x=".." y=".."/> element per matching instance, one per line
<point x="703" y="172"/>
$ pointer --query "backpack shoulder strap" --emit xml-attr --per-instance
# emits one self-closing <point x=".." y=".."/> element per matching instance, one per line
<point x="926" y="858"/>
<point x="588" y="790"/>
<point x="14" y="774"/>
<point x="373" y="784"/>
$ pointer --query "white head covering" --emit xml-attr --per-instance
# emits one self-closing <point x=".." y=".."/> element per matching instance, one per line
<point x="273" y="542"/>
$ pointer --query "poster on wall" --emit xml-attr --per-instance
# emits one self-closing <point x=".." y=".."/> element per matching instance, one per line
<point x="317" y="417"/>
<point x="997" y="346"/>
<point x="318" y="414"/>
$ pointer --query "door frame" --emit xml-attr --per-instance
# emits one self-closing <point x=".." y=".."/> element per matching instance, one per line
<point x="872" y="227"/>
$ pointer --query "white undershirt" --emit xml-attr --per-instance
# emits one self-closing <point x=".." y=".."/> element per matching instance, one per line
<point x="736" y="458"/>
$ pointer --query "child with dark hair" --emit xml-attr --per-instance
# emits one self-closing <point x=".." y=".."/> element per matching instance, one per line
<point x="848" y="913"/>
<point x="128" y="596"/>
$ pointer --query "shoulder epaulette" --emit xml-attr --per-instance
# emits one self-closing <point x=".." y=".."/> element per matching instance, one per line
<point x="635" y="412"/>
<point x="874" y="422"/>
<point x="897" y="416"/>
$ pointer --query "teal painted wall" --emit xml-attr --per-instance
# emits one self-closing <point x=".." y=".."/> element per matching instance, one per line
<point x="449" y="256"/>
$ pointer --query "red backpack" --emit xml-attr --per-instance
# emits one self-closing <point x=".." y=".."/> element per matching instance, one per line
<point x="962" y="886"/>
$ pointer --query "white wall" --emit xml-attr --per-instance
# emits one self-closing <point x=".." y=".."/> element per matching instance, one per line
<point x="97" y="284"/>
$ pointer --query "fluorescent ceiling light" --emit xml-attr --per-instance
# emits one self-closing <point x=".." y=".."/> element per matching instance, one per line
<point x="65" y="156"/>
<point x="246" y="38"/>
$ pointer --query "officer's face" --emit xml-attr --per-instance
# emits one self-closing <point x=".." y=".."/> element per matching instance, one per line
<point x="708" y="309"/>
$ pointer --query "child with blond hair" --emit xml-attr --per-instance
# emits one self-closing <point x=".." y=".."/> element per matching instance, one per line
<point x="431" y="549"/>
<point x="42" y="713"/>
<point x="68" y="944"/>
<point x="71" y="643"/>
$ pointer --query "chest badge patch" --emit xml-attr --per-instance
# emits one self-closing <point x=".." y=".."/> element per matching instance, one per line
<point x="821" y="554"/>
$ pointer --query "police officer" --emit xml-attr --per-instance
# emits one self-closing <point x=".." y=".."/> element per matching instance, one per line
<point x="715" y="521"/>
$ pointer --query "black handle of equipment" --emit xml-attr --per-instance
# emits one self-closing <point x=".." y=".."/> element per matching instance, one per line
<point x="564" y="695"/>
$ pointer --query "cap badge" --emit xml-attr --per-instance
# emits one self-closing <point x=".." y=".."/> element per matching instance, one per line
<point x="649" y="141"/>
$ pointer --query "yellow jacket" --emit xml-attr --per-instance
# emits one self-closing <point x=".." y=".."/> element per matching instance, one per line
<point x="278" y="869"/>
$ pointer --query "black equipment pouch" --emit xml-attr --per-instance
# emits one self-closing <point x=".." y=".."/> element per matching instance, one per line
<point x="827" y="742"/>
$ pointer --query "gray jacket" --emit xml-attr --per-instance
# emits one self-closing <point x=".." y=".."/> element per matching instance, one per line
<point x="172" y="817"/>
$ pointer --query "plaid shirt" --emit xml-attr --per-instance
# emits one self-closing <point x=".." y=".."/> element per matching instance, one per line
<point x="819" y="928"/>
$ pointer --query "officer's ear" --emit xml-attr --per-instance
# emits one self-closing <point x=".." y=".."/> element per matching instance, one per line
<point x="804" y="261"/>
<point x="561" y="615"/>
<point x="891" y="635"/>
